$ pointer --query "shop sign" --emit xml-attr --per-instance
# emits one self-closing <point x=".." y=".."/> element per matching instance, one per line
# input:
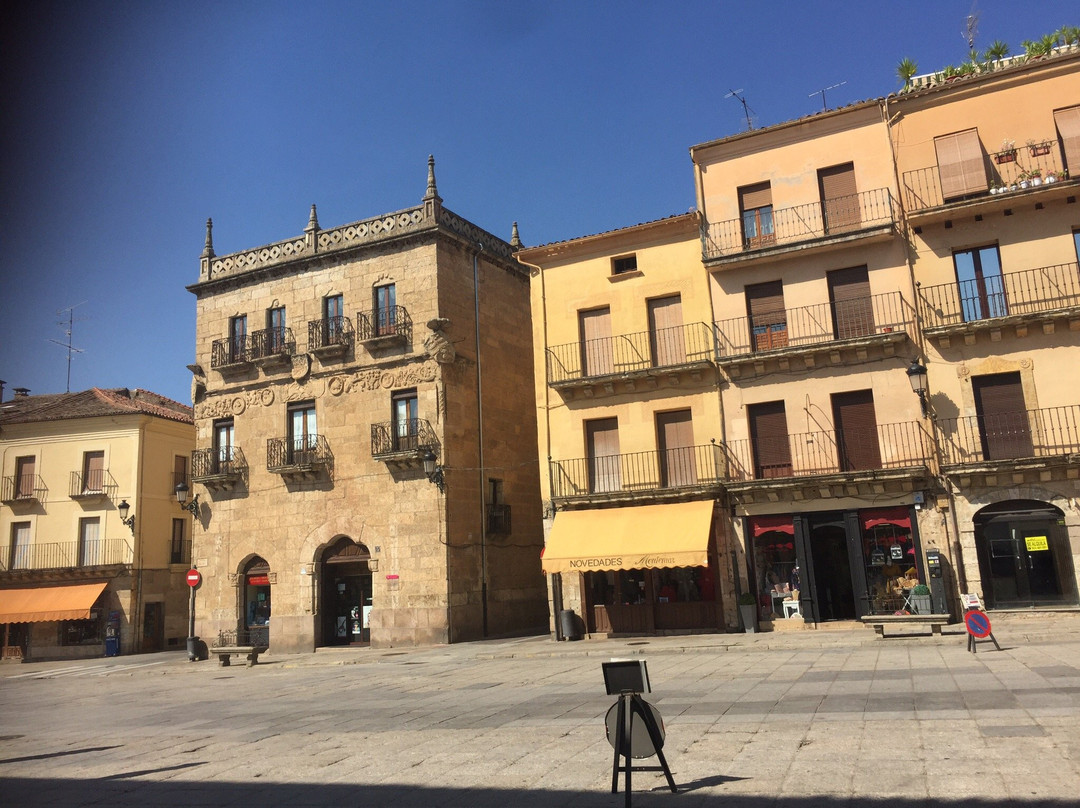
<point x="1035" y="543"/>
<point x="258" y="580"/>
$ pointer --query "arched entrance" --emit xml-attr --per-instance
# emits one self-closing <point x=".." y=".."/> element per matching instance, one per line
<point x="1024" y="559"/>
<point x="255" y="601"/>
<point x="345" y="593"/>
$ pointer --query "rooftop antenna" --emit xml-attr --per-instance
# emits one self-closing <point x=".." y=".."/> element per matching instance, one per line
<point x="746" y="107"/>
<point x="70" y="327"/>
<point x="824" y="107"/>
<point x="971" y="28"/>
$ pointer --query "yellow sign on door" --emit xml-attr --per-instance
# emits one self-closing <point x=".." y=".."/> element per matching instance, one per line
<point x="1036" y="543"/>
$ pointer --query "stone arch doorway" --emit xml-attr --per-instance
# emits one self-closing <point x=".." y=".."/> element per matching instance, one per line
<point x="1024" y="558"/>
<point x="345" y="595"/>
<point x="255" y="601"/>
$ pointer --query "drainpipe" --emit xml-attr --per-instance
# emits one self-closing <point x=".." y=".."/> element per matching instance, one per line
<point x="137" y="554"/>
<point x="480" y="439"/>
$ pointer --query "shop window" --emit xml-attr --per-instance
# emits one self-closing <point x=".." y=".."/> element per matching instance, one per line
<point x="82" y="632"/>
<point x="890" y="555"/>
<point x="775" y="564"/>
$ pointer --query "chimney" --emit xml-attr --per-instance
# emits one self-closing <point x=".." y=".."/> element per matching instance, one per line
<point x="2" y="383"/>
<point x="21" y="392"/>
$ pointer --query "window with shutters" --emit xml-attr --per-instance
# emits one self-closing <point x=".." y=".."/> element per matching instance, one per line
<point x="276" y="335"/>
<point x="303" y="433"/>
<point x="602" y="448"/>
<point x="595" y="330"/>
<point x="767" y="316"/>
<point x="405" y="405"/>
<point x="224" y="441"/>
<point x="857" y="447"/>
<point x="1068" y="126"/>
<point x="961" y="166"/>
<point x="25" y="476"/>
<point x="769" y="440"/>
<point x="384" y="310"/>
<point x="90" y="550"/>
<point x="93" y="472"/>
<point x="1004" y="428"/>
<point x="237" y="339"/>
<point x="666" y="331"/>
<point x="756" y="212"/>
<point x="839" y="198"/>
<point x="20" y="546"/>
<point x="675" y="443"/>
<point x="849" y="298"/>
<point x="980" y="285"/>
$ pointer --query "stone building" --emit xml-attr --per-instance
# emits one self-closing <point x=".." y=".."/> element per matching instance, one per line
<point x="365" y="463"/>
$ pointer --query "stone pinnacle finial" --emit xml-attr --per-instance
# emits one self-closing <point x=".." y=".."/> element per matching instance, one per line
<point x="313" y="220"/>
<point x="208" y="249"/>
<point x="432" y="191"/>
<point x="515" y="238"/>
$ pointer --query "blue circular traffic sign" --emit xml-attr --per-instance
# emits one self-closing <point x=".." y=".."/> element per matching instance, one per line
<point x="978" y="624"/>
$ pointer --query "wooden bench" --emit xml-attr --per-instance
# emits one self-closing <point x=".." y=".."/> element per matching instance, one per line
<point x="879" y="621"/>
<point x="225" y="653"/>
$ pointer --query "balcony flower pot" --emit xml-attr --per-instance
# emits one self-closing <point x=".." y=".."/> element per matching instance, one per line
<point x="748" y="612"/>
<point x="1005" y="157"/>
<point x="1039" y="149"/>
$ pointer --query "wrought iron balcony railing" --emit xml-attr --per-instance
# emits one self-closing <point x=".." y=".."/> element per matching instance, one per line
<point x="808" y="454"/>
<point x="638" y="472"/>
<point x="396" y="437"/>
<point x="272" y="343"/>
<point x="389" y="323"/>
<point x="1048" y="433"/>
<point x="1046" y="289"/>
<point x="65" y="554"/>
<point x="230" y="351"/>
<point x="498" y="519"/>
<point x="23" y="488"/>
<point x="303" y="452"/>
<point x="211" y="463"/>
<point x="629" y="353"/>
<point x="92" y="484"/>
<point x="819" y="324"/>
<point x="1007" y="172"/>
<point x="330" y="334"/>
<point x="817" y="220"/>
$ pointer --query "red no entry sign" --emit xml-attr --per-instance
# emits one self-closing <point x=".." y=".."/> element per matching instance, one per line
<point x="978" y="624"/>
<point x="193" y="577"/>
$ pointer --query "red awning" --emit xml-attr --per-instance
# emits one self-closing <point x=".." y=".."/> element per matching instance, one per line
<point x="781" y="523"/>
<point x="901" y="517"/>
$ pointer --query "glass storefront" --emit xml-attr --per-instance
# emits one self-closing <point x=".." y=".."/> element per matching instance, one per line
<point x="648" y="600"/>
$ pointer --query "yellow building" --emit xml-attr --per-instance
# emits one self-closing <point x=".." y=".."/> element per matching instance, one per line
<point x="95" y="546"/>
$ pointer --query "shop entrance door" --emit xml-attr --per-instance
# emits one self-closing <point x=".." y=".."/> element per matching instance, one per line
<point x="832" y="589"/>
<point x="346" y="594"/>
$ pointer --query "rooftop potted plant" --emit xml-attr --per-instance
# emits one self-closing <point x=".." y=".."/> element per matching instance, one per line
<point x="906" y="70"/>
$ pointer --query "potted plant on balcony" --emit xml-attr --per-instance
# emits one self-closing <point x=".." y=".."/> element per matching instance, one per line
<point x="1007" y="152"/>
<point x="1038" y="149"/>
<point x="748" y="612"/>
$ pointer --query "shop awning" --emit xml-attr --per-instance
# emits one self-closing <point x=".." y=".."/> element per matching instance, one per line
<point x="901" y="517"/>
<point x="39" y="604"/>
<point x="760" y="525"/>
<point x="645" y="537"/>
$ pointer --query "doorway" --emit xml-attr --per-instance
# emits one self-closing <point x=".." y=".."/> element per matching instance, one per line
<point x="346" y="593"/>
<point x="832" y="587"/>
<point x="153" y="638"/>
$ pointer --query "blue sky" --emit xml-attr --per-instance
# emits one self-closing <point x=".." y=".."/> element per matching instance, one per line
<point x="126" y="124"/>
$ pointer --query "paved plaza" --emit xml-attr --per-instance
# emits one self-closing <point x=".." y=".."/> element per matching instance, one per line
<point x="812" y="718"/>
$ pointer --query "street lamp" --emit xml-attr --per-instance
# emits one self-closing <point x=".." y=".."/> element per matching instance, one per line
<point x="123" y="509"/>
<point x="916" y="373"/>
<point x="182" y="492"/>
<point x="433" y="470"/>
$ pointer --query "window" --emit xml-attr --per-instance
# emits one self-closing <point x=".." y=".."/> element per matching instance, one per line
<point x="385" y="310"/>
<point x="767" y="316"/>
<point x="333" y="319"/>
<point x="852" y="308"/>
<point x="81" y="632"/>
<point x="755" y="205"/>
<point x="1076" y="243"/>
<point x="1004" y="429"/>
<point x="595" y="329"/>
<point x="406" y="424"/>
<point x="223" y="446"/>
<point x="961" y="166"/>
<point x="93" y="472"/>
<point x="1068" y="126"/>
<point x="839" y="198"/>
<point x="180" y="474"/>
<point x="90" y="551"/>
<point x="237" y="339"/>
<point x="978" y="276"/>
<point x="25" y="477"/>
<point x="602" y="447"/>
<point x="625" y="263"/>
<point x="498" y="512"/>
<point x="275" y="330"/>
<point x="769" y="440"/>
<point x="675" y="442"/>
<point x="177" y="554"/>
<point x="666" y="331"/>
<point x="303" y="435"/>
<point x="20" y="546"/>
<point x="856" y="431"/>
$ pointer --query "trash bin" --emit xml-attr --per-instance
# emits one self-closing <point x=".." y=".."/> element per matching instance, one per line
<point x="568" y="623"/>
<point x="112" y="646"/>
<point x="193" y="649"/>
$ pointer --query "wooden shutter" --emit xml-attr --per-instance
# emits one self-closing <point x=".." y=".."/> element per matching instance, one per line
<point x="1068" y="126"/>
<point x="849" y="295"/>
<point x="94" y="471"/>
<point x="666" y="332"/>
<point x="675" y="440"/>
<point x="1003" y="420"/>
<point x="768" y="319"/>
<point x="595" y="329"/>
<point x="856" y="431"/>
<point x="839" y="198"/>
<point x="769" y="439"/>
<point x="602" y="438"/>
<point x="961" y="166"/>
<point x="25" y="476"/>
<point x="755" y="196"/>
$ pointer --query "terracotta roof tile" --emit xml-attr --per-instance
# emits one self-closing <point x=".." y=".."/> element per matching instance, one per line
<point x="92" y="403"/>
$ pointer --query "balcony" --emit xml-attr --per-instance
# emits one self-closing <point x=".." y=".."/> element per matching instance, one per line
<point x="65" y="555"/>
<point x="643" y="360"/>
<point x="835" y="333"/>
<point x="272" y="347"/>
<point x="384" y="327"/>
<point x="1015" y="300"/>
<point x="330" y="337"/>
<point x="1007" y="181"/>
<point x="824" y="225"/>
<point x="221" y="468"/>
<point x="498" y="519"/>
<point x="401" y="443"/>
<point x="1012" y="443"/>
<point x="92" y="485"/>
<point x="304" y="457"/>
<point x="639" y="476"/>
<point x="893" y="459"/>
<point x="23" y="489"/>
<point x="231" y="354"/>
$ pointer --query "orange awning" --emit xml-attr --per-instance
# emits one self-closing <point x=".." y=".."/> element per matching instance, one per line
<point x="39" y="604"/>
<point x="644" y="537"/>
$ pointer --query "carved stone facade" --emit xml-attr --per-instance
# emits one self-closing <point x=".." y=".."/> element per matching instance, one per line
<point x="331" y="533"/>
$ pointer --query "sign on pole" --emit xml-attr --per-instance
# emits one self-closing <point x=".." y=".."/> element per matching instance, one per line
<point x="194" y="577"/>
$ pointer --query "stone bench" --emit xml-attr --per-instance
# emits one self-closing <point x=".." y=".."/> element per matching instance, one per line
<point x="225" y="653"/>
<point x="879" y="621"/>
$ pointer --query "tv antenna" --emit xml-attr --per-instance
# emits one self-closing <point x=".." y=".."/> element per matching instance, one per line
<point x="746" y="107"/>
<point x="70" y="327"/>
<point x="823" y="91"/>
<point x="971" y="28"/>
